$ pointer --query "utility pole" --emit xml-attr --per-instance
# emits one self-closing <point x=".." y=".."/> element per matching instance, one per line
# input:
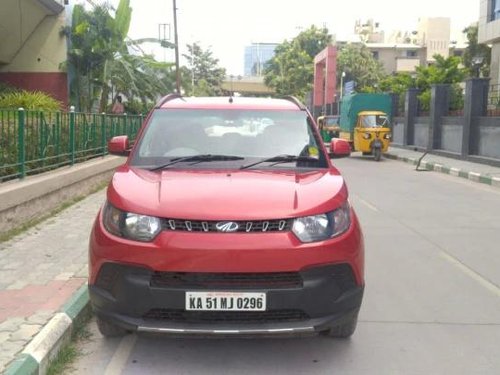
<point x="176" y="41"/>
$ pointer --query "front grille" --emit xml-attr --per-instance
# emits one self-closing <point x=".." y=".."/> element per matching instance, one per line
<point x="193" y="280"/>
<point x="280" y="225"/>
<point x="182" y="316"/>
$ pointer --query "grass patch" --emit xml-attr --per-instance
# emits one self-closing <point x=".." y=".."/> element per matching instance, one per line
<point x="69" y="353"/>
<point x="33" y="223"/>
<point x="66" y="356"/>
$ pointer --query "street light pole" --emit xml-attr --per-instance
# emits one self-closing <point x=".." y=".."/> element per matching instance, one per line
<point x="342" y="84"/>
<point x="176" y="41"/>
<point x="341" y="91"/>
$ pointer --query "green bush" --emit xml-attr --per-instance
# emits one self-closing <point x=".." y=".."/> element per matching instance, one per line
<point x="29" y="100"/>
<point x="456" y="98"/>
<point x="425" y="100"/>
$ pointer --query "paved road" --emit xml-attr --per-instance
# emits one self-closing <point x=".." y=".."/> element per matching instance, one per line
<point x="432" y="302"/>
<point x="39" y="271"/>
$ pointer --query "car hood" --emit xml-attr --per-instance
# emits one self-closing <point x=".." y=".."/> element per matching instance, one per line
<point x="226" y="195"/>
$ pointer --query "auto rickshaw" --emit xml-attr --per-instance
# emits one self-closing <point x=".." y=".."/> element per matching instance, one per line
<point x="364" y="122"/>
<point x="329" y="127"/>
<point x="372" y="134"/>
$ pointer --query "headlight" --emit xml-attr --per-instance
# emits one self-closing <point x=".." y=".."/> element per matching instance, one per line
<point x="367" y="136"/>
<point x="387" y="136"/>
<point x="324" y="226"/>
<point x="129" y="225"/>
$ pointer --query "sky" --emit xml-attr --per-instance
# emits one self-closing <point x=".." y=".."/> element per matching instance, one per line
<point x="227" y="26"/>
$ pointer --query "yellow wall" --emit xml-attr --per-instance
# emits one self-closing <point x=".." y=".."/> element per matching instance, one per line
<point x="31" y="40"/>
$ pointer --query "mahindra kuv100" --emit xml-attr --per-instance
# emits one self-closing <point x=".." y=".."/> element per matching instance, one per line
<point x="228" y="218"/>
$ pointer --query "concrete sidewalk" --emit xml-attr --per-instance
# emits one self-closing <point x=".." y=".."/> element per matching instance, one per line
<point x="482" y="173"/>
<point x="43" y="272"/>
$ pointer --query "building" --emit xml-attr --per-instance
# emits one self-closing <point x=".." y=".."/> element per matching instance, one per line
<point x="489" y="33"/>
<point x="32" y="47"/>
<point x="256" y="56"/>
<point x="433" y="35"/>
<point x="369" y="31"/>
<point x="397" y="58"/>
<point x="403" y="51"/>
<point x="250" y="85"/>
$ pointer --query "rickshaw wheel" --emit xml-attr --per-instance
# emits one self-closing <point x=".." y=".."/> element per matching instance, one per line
<point x="377" y="154"/>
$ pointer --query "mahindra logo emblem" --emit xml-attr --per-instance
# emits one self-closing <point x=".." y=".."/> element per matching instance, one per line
<point x="227" y="226"/>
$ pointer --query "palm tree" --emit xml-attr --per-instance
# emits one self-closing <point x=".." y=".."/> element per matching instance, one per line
<point x="101" y="61"/>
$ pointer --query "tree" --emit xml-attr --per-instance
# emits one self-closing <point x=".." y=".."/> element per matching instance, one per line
<point x="291" y="70"/>
<point x="476" y="50"/>
<point x="140" y="78"/>
<point x="101" y="62"/>
<point x="202" y="76"/>
<point x="444" y="70"/>
<point x="398" y="84"/>
<point x="359" y="66"/>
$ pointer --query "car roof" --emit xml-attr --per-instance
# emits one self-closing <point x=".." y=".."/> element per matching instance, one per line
<point x="372" y="113"/>
<point x="226" y="102"/>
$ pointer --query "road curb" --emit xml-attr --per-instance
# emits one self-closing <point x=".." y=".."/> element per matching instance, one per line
<point x="54" y="335"/>
<point x="431" y="166"/>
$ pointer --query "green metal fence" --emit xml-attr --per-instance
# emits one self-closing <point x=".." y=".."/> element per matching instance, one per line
<point x="33" y="142"/>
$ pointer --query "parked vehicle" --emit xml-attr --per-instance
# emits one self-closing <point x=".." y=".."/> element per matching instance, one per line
<point x="365" y="123"/>
<point x="228" y="218"/>
<point x="329" y="127"/>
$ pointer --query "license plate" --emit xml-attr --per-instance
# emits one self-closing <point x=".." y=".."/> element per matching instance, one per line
<point x="225" y="301"/>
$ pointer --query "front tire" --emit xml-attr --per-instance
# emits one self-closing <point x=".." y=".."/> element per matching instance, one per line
<point x="344" y="330"/>
<point x="377" y="154"/>
<point x="108" y="329"/>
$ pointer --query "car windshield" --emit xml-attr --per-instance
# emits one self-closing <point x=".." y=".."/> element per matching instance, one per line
<point x="375" y="121"/>
<point x="230" y="135"/>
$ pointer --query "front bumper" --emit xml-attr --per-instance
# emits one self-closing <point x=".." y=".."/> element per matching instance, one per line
<point x="312" y="300"/>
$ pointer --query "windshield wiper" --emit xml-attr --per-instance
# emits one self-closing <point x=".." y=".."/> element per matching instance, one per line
<point x="197" y="159"/>
<point x="280" y="159"/>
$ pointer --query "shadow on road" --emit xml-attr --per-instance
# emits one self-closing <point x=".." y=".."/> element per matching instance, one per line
<point x="231" y="355"/>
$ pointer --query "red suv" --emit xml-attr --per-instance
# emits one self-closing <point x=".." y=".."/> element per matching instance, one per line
<point x="228" y="218"/>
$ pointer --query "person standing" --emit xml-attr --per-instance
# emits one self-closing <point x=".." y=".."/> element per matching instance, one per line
<point x="118" y="107"/>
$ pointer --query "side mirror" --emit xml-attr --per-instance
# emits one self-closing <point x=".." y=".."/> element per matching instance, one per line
<point x="339" y="148"/>
<point x="119" y="146"/>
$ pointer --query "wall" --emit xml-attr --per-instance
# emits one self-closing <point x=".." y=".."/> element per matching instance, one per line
<point x="18" y="19"/>
<point x="451" y="136"/>
<point x="495" y="63"/>
<point x="489" y="137"/>
<point x="435" y="34"/>
<point x="33" y="50"/>
<point x="421" y="131"/>
<point x="398" y="130"/>
<point x="472" y="136"/>
<point x="489" y="33"/>
<point x="24" y="200"/>
<point x="407" y="64"/>
<point x="387" y="57"/>
<point x="54" y="84"/>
